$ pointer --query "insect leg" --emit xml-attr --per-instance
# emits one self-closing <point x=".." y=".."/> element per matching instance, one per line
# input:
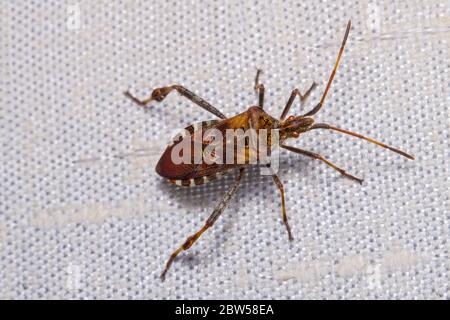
<point x="321" y="158"/>
<point x="160" y="93"/>
<point x="333" y="73"/>
<point x="378" y="143"/>
<point x="209" y="223"/>
<point x="283" y="207"/>
<point x="294" y="93"/>
<point x="259" y="87"/>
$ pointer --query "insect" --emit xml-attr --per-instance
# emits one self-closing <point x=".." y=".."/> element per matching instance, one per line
<point x="255" y="117"/>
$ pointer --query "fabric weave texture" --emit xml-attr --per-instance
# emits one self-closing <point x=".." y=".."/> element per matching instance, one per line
<point x="84" y="215"/>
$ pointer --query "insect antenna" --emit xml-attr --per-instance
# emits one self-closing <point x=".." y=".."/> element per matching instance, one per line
<point x="360" y="136"/>
<point x="330" y="80"/>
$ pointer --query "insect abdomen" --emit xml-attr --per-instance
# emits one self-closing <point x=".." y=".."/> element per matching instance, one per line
<point x="185" y="174"/>
<point x="196" y="181"/>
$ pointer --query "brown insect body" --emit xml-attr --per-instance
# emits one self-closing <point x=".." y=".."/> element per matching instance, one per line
<point x="189" y="174"/>
<point x="195" y="173"/>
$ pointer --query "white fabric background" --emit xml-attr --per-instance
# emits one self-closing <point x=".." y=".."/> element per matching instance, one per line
<point x="84" y="215"/>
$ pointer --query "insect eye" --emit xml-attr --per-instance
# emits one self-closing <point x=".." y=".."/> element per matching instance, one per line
<point x="290" y="118"/>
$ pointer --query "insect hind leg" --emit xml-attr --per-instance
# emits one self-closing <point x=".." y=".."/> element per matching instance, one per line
<point x="159" y="94"/>
<point x="208" y="224"/>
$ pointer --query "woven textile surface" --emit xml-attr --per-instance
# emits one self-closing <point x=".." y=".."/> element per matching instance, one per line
<point x="84" y="215"/>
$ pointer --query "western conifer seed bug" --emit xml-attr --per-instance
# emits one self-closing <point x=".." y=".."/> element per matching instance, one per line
<point x="190" y="174"/>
